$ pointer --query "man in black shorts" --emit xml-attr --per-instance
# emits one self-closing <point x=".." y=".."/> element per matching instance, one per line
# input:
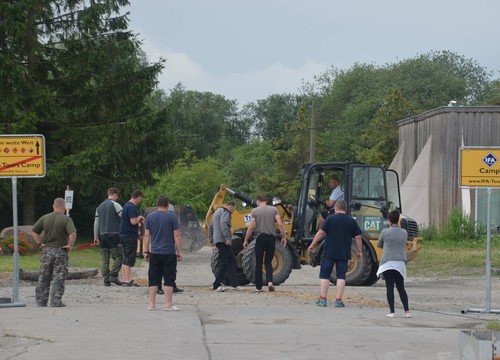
<point x="162" y="248"/>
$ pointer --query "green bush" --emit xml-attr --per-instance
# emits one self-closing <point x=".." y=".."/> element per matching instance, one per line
<point x="430" y="233"/>
<point x="459" y="227"/>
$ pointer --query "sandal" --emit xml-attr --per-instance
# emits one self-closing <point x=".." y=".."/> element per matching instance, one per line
<point x="172" y="308"/>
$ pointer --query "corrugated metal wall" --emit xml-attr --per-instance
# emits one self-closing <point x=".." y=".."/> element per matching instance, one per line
<point x="479" y="126"/>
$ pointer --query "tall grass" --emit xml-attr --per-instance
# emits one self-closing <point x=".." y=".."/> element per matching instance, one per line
<point x="458" y="249"/>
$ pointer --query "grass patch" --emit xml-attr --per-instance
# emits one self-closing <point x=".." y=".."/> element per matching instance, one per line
<point x="493" y="325"/>
<point x="445" y="258"/>
<point x="90" y="258"/>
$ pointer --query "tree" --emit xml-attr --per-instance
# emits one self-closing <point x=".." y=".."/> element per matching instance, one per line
<point x="190" y="182"/>
<point x="72" y="71"/>
<point x="379" y="143"/>
<point x="204" y="121"/>
<point x="270" y="116"/>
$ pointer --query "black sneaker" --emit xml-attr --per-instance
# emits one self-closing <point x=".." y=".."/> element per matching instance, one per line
<point x="178" y="290"/>
<point x="58" y="304"/>
<point x="107" y="283"/>
<point x="160" y="291"/>
<point x="115" y="281"/>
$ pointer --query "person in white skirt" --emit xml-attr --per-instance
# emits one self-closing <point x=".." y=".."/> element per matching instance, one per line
<point x="392" y="267"/>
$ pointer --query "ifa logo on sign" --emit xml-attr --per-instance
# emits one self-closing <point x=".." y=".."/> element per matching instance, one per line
<point x="490" y="160"/>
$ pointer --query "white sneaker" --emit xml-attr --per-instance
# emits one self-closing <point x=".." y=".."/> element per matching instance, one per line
<point x="391" y="315"/>
<point x="237" y="288"/>
<point x="407" y="315"/>
<point x="221" y="289"/>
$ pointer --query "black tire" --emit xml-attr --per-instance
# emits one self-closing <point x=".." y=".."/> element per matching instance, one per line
<point x="215" y="263"/>
<point x="282" y="264"/>
<point x="357" y="271"/>
<point x="373" y="278"/>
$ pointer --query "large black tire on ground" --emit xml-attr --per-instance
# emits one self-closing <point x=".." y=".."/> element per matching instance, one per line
<point x="373" y="278"/>
<point x="357" y="271"/>
<point x="215" y="263"/>
<point x="282" y="264"/>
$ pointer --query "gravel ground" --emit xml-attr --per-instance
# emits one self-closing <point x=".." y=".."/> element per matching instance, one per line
<point x="442" y="295"/>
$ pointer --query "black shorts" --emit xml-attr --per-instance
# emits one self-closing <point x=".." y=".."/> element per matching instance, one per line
<point x="162" y="266"/>
<point x="109" y="241"/>
<point x="129" y="250"/>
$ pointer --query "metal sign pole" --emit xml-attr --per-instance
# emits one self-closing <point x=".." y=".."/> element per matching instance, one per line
<point x="15" y="233"/>
<point x="487" y="308"/>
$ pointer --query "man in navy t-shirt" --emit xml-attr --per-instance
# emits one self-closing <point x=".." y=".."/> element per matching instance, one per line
<point x="339" y="229"/>
<point x="129" y="234"/>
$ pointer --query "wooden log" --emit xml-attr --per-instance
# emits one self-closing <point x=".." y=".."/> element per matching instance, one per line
<point x="32" y="275"/>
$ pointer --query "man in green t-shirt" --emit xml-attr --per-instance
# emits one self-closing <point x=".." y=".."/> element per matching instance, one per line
<point x="57" y="241"/>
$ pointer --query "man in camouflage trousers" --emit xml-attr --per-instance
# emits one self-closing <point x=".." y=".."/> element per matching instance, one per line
<point x="59" y="237"/>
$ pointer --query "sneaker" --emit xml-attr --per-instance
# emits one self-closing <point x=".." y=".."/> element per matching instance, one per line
<point x="321" y="302"/>
<point x="115" y="281"/>
<point x="107" y="283"/>
<point x="407" y="315"/>
<point x="271" y="288"/>
<point x="160" y="291"/>
<point x="391" y="315"/>
<point x="178" y="290"/>
<point x="258" y="290"/>
<point x="220" y="289"/>
<point x="39" y="304"/>
<point x="237" y="288"/>
<point x="339" y="304"/>
<point x="58" y="304"/>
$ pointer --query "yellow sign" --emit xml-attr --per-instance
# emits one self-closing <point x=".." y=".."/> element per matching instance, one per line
<point x="22" y="156"/>
<point x="479" y="167"/>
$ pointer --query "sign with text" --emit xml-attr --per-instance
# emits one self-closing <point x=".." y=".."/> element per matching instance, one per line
<point x="479" y="167"/>
<point x="22" y="156"/>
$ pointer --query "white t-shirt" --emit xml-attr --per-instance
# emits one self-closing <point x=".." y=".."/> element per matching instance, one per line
<point x="337" y="194"/>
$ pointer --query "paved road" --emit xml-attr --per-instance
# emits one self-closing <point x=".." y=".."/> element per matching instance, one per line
<point x="233" y="325"/>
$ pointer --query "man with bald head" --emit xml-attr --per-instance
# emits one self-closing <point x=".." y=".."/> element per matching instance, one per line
<point x="59" y="236"/>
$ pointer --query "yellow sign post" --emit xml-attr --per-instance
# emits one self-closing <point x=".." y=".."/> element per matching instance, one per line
<point x="479" y="167"/>
<point x="22" y="156"/>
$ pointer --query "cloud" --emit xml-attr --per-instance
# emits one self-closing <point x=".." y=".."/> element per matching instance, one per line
<point x="246" y="86"/>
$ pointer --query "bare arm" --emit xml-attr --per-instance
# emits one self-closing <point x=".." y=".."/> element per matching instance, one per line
<point x="71" y="242"/>
<point x="178" y="243"/>
<point x="250" y="228"/>
<point x="359" y="245"/>
<point x="282" y="230"/>
<point x="319" y="235"/>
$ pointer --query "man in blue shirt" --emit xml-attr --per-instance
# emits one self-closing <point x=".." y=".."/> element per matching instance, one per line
<point x="339" y="230"/>
<point x="162" y="248"/>
<point x="129" y="234"/>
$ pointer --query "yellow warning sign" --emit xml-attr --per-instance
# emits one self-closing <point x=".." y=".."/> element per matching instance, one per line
<point x="479" y="167"/>
<point x="22" y="156"/>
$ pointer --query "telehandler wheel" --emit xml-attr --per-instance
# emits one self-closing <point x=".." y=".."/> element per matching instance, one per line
<point x="373" y="278"/>
<point x="282" y="264"/>
<point x="215" y="263"/>
<point x="357" y="271"/>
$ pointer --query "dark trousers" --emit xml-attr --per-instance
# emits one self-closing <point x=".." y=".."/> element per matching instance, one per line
<point x="394" y="277"/>
<point x="227" y="261"/>
<point x="264" y="250"/>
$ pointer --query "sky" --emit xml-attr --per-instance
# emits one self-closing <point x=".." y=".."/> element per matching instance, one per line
<point x="249" y="50"/>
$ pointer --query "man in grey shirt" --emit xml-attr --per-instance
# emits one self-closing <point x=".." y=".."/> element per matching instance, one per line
<point x="264" y="219"/>
<point x="220" y="237"/>
<point x="107" y="236"/>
